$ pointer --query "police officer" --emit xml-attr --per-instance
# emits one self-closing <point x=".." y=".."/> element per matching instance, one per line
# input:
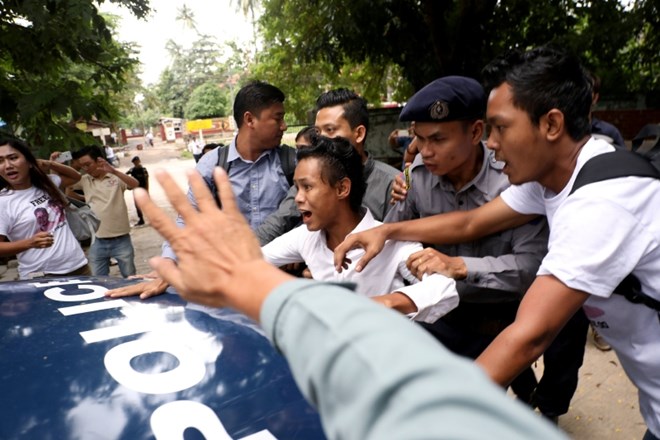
<point x="455" y="171"/>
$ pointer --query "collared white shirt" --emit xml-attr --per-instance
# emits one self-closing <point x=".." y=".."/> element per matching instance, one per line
<point x="434" y="296"/>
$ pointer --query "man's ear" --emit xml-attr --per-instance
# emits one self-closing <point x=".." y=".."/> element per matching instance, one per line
<point x="248" y="119"/>
<point x="343" y="188"/>
<point x="552" y="125"/>
<point x="360" y="133"/>
<point x="477" y="131"/>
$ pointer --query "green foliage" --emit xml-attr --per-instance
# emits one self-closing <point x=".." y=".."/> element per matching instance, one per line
<point x="206" y="101"/>
<point x="314" y="44"/>
<point x="190" y="68"/>
<point x="59" y="64"/>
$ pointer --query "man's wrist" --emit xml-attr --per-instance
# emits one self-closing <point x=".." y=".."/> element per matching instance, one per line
<point x="252" y="283"/>
<point x="390" y="230"/>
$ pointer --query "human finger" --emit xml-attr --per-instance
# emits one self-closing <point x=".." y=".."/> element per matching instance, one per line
<point x="225" y="193"/>
<point x="176" y="196"/>
<point x="155" y="287"/>
<point x="160" y="221"/>
<point x="412" y="258"/>
<point x="354" y="241"/>
<point x="339" y="256"/>
<point x="132" y="290"/>
<point x="200" y="189"/>
<point x="169" y="272"/>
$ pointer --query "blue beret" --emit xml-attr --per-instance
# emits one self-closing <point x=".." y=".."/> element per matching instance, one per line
<point x="451" y="98"/>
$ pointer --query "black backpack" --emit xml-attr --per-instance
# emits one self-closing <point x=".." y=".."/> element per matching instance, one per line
<point x="621" y="163"/>
<point x="287" y="160"/>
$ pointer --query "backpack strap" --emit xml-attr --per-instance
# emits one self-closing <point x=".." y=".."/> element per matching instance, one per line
<point x="288" y="162"/>
<point x="223" y="152"/>
<point x="618" y="163"/>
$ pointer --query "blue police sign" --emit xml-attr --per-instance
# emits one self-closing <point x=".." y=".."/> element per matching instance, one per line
<point x="76" y="365"/>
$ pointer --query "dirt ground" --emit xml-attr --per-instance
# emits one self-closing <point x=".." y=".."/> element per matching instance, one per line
<point x="604" y="407"/>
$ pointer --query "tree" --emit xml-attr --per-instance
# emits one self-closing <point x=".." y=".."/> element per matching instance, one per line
<point x="42" y="92"/>
<point x="427" y="39"/>
<point x="206" y="101"/>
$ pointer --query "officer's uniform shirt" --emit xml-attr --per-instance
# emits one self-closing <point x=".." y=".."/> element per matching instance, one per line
<point x="506" y="261"/>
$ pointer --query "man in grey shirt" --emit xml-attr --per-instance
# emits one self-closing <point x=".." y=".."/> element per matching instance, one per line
<point x="339" y="112"/>
<point x="455" y="171"/>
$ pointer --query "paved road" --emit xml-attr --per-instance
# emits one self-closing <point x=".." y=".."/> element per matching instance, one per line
<point x="605" y="404"/>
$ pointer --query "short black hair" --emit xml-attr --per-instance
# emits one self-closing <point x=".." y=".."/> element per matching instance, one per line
<point x="338" y="160"/>
<point x="355" y="106"/>
<point x="542" y="79"/>
<point x="254" y="97"/>
<point x="92" y="151"/>
<point x="307" y="132"/>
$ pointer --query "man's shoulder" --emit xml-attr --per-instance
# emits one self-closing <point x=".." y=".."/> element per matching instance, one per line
<point x="381" y="168"/>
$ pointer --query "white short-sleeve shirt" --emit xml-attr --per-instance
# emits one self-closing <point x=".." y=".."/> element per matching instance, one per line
<point x="434" y="296"/>
<point x="599" y="235"/>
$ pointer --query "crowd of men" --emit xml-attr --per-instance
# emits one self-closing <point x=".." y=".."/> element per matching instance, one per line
<point x="531" y="265"/>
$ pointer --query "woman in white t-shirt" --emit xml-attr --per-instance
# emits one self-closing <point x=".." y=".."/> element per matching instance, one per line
<point x="32" y="222"/>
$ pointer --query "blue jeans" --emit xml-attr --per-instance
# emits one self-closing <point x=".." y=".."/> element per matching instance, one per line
<point x="120" y="248"/>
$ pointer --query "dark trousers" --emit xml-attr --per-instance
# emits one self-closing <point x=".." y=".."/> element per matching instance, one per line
<point x="470" y="328"/>
<point x="561" y="362"/>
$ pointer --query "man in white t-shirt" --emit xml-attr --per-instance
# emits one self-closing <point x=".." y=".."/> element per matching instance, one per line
<point x="538" y="111"/>
<point x="331" y="185"/>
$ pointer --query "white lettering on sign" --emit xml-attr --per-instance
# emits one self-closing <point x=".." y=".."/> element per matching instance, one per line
<point x="188" y="373"/>
<point x="55" y="293"/>
<point x="59" y="283"/>
<point x="170" y="420"/>
<point x="93" y="307"/>
<point x="125" y="328"/>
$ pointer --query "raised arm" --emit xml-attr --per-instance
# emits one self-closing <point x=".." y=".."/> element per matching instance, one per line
<point x="544" y="310"/>
<point x="68" y="175"/>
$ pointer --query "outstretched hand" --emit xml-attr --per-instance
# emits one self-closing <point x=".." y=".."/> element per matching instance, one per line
<point x="371" y="240"/>
<point x="151" y="287"/>
<point x="219" y="257"/>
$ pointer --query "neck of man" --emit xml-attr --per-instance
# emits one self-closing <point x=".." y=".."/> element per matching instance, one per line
<point x="247" y="146"/>
<point x="566" y="155"/>
<point x="361" y="151"/>
<point x="345" y="221"/>
<point x="469" y="170"/>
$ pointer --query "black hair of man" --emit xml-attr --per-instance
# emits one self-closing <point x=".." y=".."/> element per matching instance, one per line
<point x="89" y="150"/>
<point x="254" y="97"/>
<point x="338" y="160"/>
<point x="542" y="79"/>
<point x="355" y="107"/>
<point x="306" y="132"/>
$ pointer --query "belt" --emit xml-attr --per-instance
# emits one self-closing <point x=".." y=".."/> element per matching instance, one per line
<point x="112" y="238"/>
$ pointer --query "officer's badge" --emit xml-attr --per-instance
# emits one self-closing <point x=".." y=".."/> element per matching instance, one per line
<point x="439" y="110"/>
